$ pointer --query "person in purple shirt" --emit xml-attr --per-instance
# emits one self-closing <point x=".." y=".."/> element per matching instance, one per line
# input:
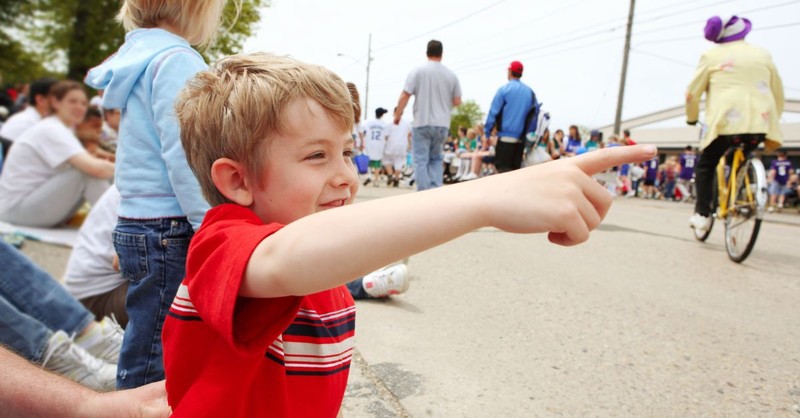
<point x="687" y="162"/>
<point x="573" y="142"/>
<point x="651" y="172"/>
<point x="779" y="173"/>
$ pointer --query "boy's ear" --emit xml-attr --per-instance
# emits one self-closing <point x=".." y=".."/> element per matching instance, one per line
<point x="231" y="180"/>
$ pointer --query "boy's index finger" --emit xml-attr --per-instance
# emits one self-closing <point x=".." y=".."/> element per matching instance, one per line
<point x="601" y="160"/>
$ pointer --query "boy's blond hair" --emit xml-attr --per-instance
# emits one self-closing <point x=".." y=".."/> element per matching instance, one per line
<point x="230" y="110"/>
<point x="197" y="20"/>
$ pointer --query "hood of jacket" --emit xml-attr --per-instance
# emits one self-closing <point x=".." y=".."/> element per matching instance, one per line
<point x="118" y="74"/>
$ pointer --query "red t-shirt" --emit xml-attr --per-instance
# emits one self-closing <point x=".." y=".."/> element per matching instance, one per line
<point x="230" y="356"/>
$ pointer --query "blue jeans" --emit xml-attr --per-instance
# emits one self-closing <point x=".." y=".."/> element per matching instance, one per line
<point x="152" y="256"/>
<point x="356" y="288"/>
<point x="426" y="145"/>
<point x="33" y="305"/>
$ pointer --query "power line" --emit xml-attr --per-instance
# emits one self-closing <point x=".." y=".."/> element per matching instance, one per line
<point x="490" y="61"/>
<point x="695" y="22"/>
<point x="459" y="20"/>
<point x="527" y="23"/>
<point x="695" y="37"/>
<point x="705" y="6"/>
<point x="661" y="57"/>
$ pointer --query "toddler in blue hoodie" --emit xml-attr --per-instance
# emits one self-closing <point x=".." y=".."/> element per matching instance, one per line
<point x="162" y="204"/>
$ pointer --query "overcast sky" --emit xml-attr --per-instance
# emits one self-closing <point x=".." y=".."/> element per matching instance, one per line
<point x="571" y="49"/>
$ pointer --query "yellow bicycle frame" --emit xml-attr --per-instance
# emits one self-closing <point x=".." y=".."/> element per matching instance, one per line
<point x="727" y="186"/>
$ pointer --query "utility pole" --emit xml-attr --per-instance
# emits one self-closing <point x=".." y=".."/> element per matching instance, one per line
<point x="618" y="117"/>
<point x="366" y="88"/>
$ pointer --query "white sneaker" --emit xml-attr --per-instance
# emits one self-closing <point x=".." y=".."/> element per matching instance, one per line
<point x="470" y="176"/>
<point x="64" y="357"/>
<point x="700" y="222"/>
<point x="392" y="280"/>
<point x="103" y="341"/>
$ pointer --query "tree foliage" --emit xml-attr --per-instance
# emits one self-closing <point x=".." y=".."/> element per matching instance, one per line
<point x="82" y="33"/>
<point x="467" y="115"/>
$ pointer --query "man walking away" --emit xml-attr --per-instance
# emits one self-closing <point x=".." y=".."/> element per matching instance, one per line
<point x="509" y="114"/>
<point x="436" y="90"/>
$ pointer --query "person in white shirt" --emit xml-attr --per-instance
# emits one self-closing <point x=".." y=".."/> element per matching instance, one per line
<point x="48" y="175"/>
<point x="38" y="108"/>
<point x="375" y="133"/>
<point x="397" y="147"/>
<point x="97" y="101"/>
<point x="92" y="274"/>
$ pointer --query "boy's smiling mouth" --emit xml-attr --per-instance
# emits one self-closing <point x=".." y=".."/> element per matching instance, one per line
<point x="334" y="203"/>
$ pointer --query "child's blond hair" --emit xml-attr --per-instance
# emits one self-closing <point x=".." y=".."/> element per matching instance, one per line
<point x="197" y="20"/>
<point x="230" y="110"/>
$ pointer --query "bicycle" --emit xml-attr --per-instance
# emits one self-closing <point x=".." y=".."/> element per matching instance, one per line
<point x="741" y="201"/>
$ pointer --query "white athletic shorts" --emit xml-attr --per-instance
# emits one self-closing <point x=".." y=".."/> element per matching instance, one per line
<point x="396" y="161"/>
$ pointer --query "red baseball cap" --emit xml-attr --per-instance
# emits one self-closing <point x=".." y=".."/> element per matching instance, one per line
<point x="516" y="67"/>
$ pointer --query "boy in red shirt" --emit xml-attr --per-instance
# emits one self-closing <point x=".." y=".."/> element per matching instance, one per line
<point x="261" y="325"/>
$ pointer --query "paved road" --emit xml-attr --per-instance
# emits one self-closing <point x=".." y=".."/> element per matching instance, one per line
<point x="640" y="321"/>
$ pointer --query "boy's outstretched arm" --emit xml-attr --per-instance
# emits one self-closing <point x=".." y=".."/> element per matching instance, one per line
<point x="316" y="252"/>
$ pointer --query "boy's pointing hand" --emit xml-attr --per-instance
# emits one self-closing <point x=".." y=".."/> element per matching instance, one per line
<point x="560" y="197"/>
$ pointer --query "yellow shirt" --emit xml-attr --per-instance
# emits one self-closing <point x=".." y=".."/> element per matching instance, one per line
<point x="744" y="93"/>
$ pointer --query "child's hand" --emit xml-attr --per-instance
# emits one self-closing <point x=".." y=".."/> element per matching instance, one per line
<point x="558" y="197"/>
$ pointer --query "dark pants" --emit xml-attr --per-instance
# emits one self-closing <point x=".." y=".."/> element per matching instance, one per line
<point x="707" y="165"/>
<point x="508" y="156"/>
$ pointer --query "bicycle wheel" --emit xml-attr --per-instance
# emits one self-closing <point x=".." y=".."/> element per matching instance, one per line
<point x="746" y="210"/>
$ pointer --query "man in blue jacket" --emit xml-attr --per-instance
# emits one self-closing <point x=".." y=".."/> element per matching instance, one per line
<point x="510" y="114"/>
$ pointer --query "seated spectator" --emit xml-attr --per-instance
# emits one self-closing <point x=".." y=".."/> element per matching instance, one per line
<point x="108" y="138"/>
<point x="90" y="132"/>
<point x="48" y="175"/>
<point x="38" y="320"/>
<point x="574" y="142"/>
<point x="38" y="108"/>
<point x="92" y="274"/>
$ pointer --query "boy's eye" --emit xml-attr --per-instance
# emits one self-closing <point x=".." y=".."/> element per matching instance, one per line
<point x="348" y="153"/>
<point x="316" y="156"/>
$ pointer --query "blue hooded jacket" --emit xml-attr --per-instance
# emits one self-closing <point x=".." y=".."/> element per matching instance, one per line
<point x="143" y="79"/>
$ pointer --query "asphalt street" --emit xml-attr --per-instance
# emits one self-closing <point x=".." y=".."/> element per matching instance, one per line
<point x="642" y="320"/>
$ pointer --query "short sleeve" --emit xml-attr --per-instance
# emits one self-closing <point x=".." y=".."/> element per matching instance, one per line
<point x="215" y="268"/>
<point x="456" y="87"/>
<point x="56" y="146"/>
<point x="411" y="83"/>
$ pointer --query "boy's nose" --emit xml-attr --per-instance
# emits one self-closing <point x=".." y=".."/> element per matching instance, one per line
<point x="346" y="174"/>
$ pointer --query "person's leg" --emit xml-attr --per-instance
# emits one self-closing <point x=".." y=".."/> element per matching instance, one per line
<point x="52" y="203"/>
<point x="420" y="148"/>
<point x="108" y="304"/>
<point x="436" y="154"/>
<point x="152" y="256"/>
<point x="518" y="152"/>
<point x="21" y="333"/>
<point x="356" y="288"/>
<point x="34" y="292"/>
<point x="502" y="156"/>
<point x="706" y="165"/>
<point x="669" y="190"/>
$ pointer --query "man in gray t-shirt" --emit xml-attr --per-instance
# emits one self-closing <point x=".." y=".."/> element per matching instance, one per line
<point x="437" y="91"/>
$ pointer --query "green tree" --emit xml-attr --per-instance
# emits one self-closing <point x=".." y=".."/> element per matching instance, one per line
<point x="17" y="64"/>
<point x="467" y="115"/>
<point x="85" y="32"/>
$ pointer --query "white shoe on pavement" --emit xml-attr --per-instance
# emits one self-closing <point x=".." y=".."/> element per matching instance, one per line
<point x="67" y="359"/>
<point x="391" y="280"/>
<point x="700" y="222"/>
<point x="103" y="341"/>
<point x="470" y="176"/>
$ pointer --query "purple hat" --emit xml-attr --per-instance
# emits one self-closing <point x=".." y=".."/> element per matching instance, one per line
<point x="734" y="29"/>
